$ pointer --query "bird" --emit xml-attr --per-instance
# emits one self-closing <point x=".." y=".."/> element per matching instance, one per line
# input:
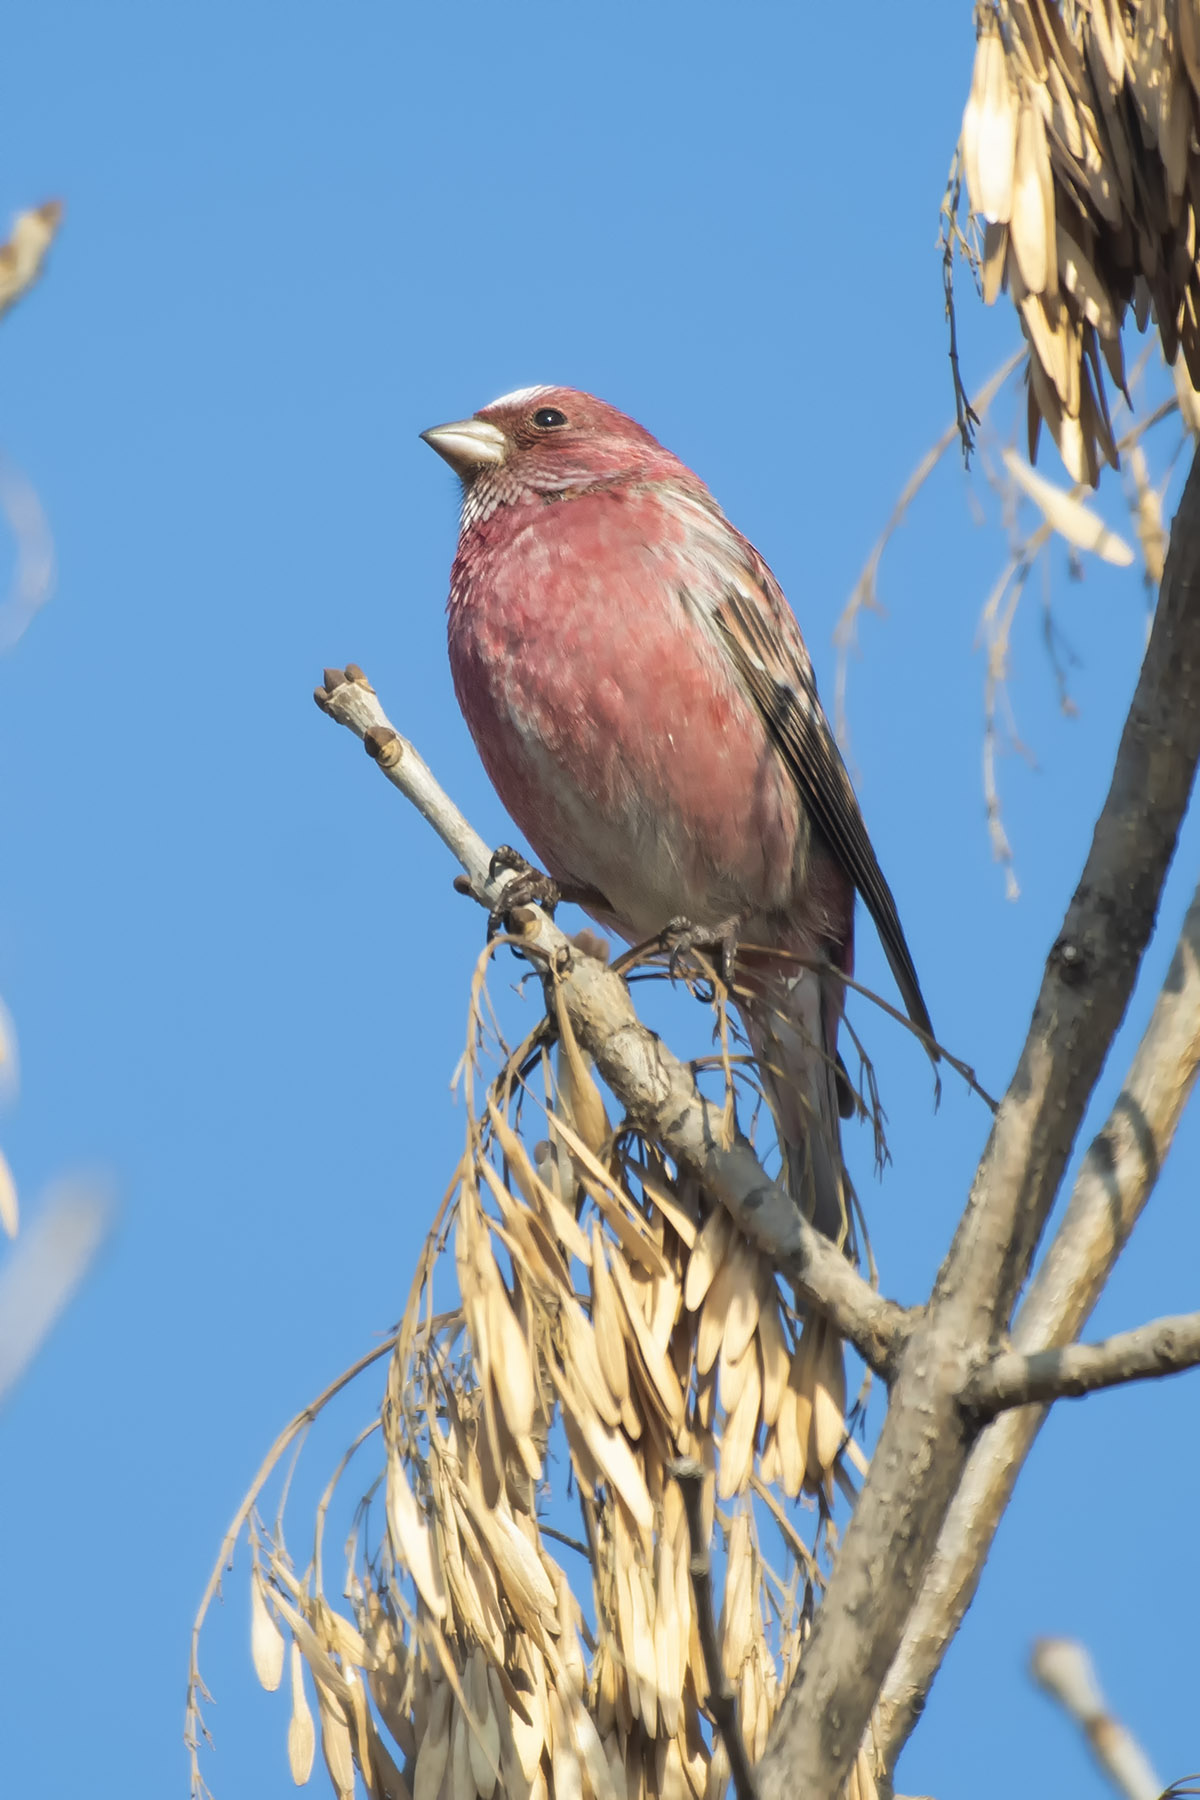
<point x="642" y="698"/>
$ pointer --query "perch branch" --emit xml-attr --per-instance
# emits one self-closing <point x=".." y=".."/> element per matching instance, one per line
<point x="1165" y="1347"/>
<point x="926" y="1439"/>
<point x="1114" y="1183"/>
<point x="722" y="1703"/>
<point x="656" y="1089"/>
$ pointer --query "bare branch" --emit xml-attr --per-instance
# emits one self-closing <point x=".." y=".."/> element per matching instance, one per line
<point x="722" y="1702"/>
<point x="1165" y="1347"/>
<point x="925" y="1442"/>
<point x="865" y="597"/>
<point x="657" y="1090"/>
<point x="1114" y="1183"/>
<point x="1064" y="1670"/>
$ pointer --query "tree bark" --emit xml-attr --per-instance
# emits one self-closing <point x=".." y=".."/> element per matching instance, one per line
<point x="1115" y="1182"/>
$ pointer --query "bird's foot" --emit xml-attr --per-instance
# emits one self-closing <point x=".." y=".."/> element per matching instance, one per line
<point x="681" y="935"/>
<point x="527" y="887"/>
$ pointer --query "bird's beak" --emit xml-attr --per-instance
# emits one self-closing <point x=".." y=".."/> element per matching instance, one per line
<point x="468" y="445"/>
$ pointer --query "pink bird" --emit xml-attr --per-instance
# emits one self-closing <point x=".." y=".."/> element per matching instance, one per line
<point x="643" y="701"/>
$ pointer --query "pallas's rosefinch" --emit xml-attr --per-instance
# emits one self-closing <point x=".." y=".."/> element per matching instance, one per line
<point x="645" y="706"/>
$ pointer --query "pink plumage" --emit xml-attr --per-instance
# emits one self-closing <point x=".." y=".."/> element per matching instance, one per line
<point x="644" y="704"/>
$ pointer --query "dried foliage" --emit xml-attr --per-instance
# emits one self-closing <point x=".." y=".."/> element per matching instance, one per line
<point x="604" y="1319"/>
<point x="1078" y="149"/>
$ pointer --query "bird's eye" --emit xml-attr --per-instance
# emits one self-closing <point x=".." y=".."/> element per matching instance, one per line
<point x="548" y="416"/>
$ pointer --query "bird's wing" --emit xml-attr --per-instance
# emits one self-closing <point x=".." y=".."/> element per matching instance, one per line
<point x="757" y="629"/>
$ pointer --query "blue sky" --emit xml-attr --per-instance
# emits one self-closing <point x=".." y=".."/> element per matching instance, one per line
<point x="237" y="968"/>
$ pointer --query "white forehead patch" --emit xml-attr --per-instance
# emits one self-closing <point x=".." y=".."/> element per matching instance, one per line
<point x="518" y="397"/>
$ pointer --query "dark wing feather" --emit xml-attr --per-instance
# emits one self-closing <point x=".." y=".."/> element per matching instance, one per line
<point x="758" y="630"/>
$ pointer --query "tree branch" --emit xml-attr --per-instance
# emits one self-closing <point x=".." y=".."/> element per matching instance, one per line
<point x="1115" y="1181"/>
<point x="657" y="1090"/>
<point x="922" y="1452"/>
<point x="1164" y="1347"/>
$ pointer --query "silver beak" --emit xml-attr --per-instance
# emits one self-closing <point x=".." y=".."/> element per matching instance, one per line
<point x="468" y="444"/>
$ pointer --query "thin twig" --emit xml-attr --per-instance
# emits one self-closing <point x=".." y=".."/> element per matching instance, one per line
<point x="1063" y="1669"/>
<point x="722" y="1702"/>
<point x="966" y="418"/>
<point x="865" y="597"/>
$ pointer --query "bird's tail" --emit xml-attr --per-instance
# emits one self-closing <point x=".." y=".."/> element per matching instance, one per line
<point x="792" y="1022"/>
<point x="792" y="1026"/>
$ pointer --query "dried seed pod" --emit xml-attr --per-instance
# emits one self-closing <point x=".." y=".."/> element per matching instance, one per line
<point x="828" y="1391"/>
<point x="995" y="254"/>
<point x="708" y="1255"/>
<point x="483" y="1735"/>
<point x="589" y="1752"/>
<point x="1082" y="280"/>
<point x="607" y="1322"/>
<point x="652" y="1359"/>
<point x="735" y="1625"/>
<point x="530" y="1736"/>
<point x="795" y="1432"/>
<point x="266" y="1640"/>
<point x="458" y="1775"/>
<point x="579" y="1097"/>
<point x="732" y="1376"/>
<point x="386" y="1781"/>
<point x="301" y="1737"/>
<point x="670" y="1781"/>
<point x="609" y="1451"/>
<point x="335" y="1743"/>
<point x="582" y="1354"/>
<point x="773" y="1351"/>
<point x="731" y="1300"/>
<point x="989" y="128"/>
<point x="433" y="1751"/>
<point x="10" y="1207"/>
<point x="408" y="1534"/>
<point x="718" y="1774"/>
<point x="770" y="1463"/>
<point x="341" y="1636"/>
<point x="737" y="1441"/>
<point x="1032" y="223"/>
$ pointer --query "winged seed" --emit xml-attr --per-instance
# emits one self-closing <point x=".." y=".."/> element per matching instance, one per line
<point x="301" y="1737"/>
<point x="267" y="1644"/>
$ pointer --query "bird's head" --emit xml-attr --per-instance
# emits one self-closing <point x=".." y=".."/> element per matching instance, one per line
<point x="546" y="441"/>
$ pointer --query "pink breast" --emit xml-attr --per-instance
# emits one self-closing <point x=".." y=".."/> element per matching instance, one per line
<point x="607" y="718"/>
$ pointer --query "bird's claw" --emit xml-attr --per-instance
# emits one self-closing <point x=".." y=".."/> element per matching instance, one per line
<point x="681" y="936"/>
<point x="528" y="887"/>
